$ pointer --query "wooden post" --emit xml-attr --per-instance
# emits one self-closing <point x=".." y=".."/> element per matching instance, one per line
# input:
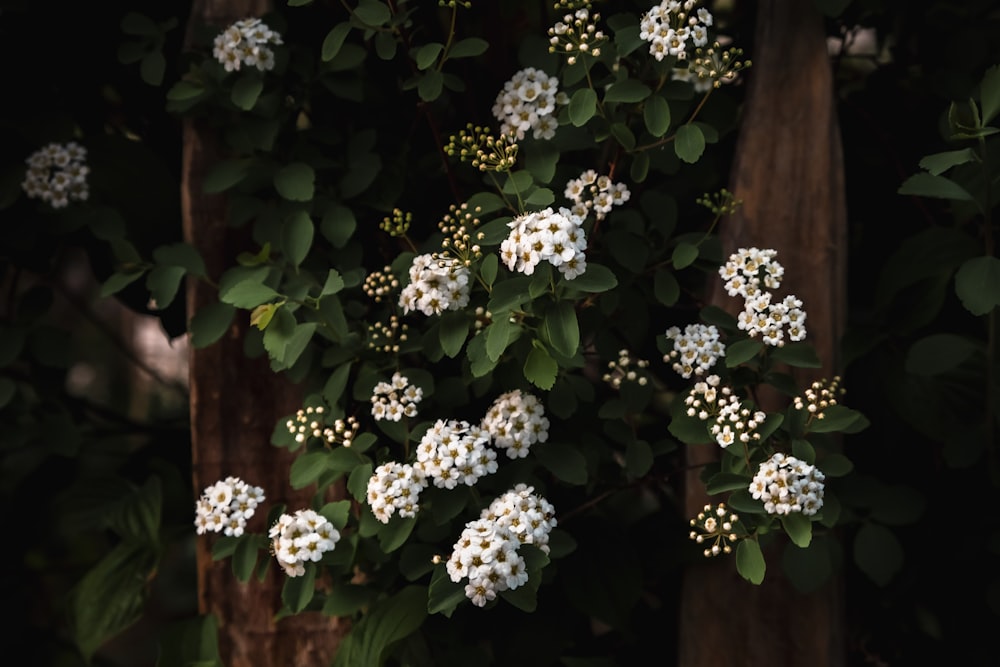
<point x="235" y="404"/>
<point x="788" y="170"/>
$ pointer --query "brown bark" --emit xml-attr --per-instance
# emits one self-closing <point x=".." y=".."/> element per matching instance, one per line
<point x="235" y="404"/>
<point x="788" y="171"/>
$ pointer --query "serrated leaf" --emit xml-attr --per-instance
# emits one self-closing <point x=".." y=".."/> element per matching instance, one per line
<point x="582" y="106"/>
<point x="295" y="181"/>
<point x="689" y="143"/>
<point x="750" y="561"/>
<point x="333" y="284"/>
<point x="262" y="315"/>
<point x="540" y="369"/>
<point x="247" y="294"/>
<point x="210" y="323"/>
<point x="977" y="284"/>
<point x="656" y="116"/>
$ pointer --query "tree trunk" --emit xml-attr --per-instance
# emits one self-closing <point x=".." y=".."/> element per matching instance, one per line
<point x="788" y="171"/>
<point x="235" y="403"/>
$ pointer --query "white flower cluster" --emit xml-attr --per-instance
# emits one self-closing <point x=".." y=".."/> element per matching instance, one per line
<point x="750" y="273"/>
<point x="732" y="421"/>
<point x="717" y="525"/>
<point x="695" y="350"/>
<point x="671" y="28"/>
<point x="487" y="552"/>
<point x="785" y="485"/>
<point x="557" y="238"/>
<point x="395" y="487"/>
<point x="246" y="42"/>
<point x="226" y="505"/>
<point x="516" y="420"/>
<point x="591" y="192"/>
<point x="57" y="174"/>
<point x="436" y="284"/>
<point x="455" y="452"/>
<point x="301" y="537"/>
<point x="396" y="399"/>
<point x="528" y="103"/>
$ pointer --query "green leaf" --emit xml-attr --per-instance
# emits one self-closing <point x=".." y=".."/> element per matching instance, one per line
<point x="977" y="284"/>
<point x="334" y="41"/>
<point x="357" y="481"/>
<point x="689" y="143"/>
<point x="430" y="85"/>
<point x="336" y="383"/>
<point x="582" y="106"/>
<point x="562" y="460"/>
<point x="638" y="458"/>
<point x="468" y="48"/>
<point x="656" y="116"/>
<point x="372" y="13"/>
<point x="540" y="197"/>
<point x="721" y="482"/>
<point x="561" y="327"/>
<point x="750" y="561"/>
<point x="835" y="418"/>
<point x="210" y="323"/>
<point x="334" y="283"/>
<point x="244" y="558"/>
<point x="246" y="90"/>
<point x="295" y="181"/>
<point x="191" y="641"/>
<point x="836" y="465"/>
<point x="247" y="294"/>
<point x="666" y="289"/>
<point x="518" y="182"/>
<point x="184" y="90"/>
<point x="877" y="553"/>
<point x="444" y="595"/>
<point x="262" y="315"/>
<point x="623" y="135"/>
<point x="808" y="568"/>
<point x="453" y="331"/>
<point x="939" y="163"/>
<point x="597" y="278"/>
<point x="134" y="23"/>
<point x="799" y="354"/>
<point x="119" y="281"/>
<point x="337" y="513"/>
<point x="163" y="283"/>
<point x="224" y="175"/>
<point x="742" y="351"/>
<point x="297" y="237"/>
<point x="427" y="55"/>
<point x="989" y="93"/>
<point x="488" y="269"/>
<point x="346" y="599"/>
<point x="182" y="255"/>
<point x="152" y="68"/>
<point x="929" y="185"/>
<point x="540" y="369"/>
<point x="278" y="334"/>
<point x="299" y="3"/>
<point x="298" y="592"/>
<point x="684" y="255"/>
<point x="497" y="337"/>
<point x="338" y="225"/>
<point x="940" y="353"/>
<point x="394" y="534"/>
<point x="485" y="202"/>
<point x="307" y="468"/>
<point x="627" y="90"/>
<point x="798" y="527"/>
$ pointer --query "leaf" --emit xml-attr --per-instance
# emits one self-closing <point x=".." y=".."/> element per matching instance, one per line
<point x="929" y="185"/>
<point x="684" y="255"/>
<point x="453" y="331"/>
<point x="540" y="369"/>
<point x="623" y="135"/>
<point x="726" y="481"/>
<point x="338" y="225"/>
<point x="134" y="23"/>
<point x="562" y="329"/>
<point x="939" y="163"/>
<point x="210" y="323"/>
<point x="191" y="641"/>
<point x="750" y="561"/>
<point x="262" y="315"/>
<point x="334" y="283"/>
<point x="430" y="85"/>
<point x="184" y="90"/>
<point x="468" y="48"/>
<point x="808" y="568"/>
<point x="246" y="90"/>
<point x="977" y="284"/>
<point x="656" y="116"/>
<point x="836" y="465"/>
<point x="940" y="353"/>
<point x="244" y="558"/>
<point x="877" y="553"/>
<point x="443" y="594"/>
<point x="798" y="527"/>
<point x="298" y="592"/>
<point x="638" y="458"/>
<point x="582" y="106"/>
<point x="666" y="289"/>
<point x="427" y="55"/>
<point x="742" y="351"/>
<point x="597" y="278"/>
<point x="394" y="534"/>
<point x="119" y="281"/>
<point x="163" y="283"/>
<point x="182" y="255"/>
<point x="799" y="354"/>
<point x="297" y="237"/>
<point x="334" y="40"/>
<point x="627" y="90"/>
<point x="689" y="143"/>
<point x="347" y="599"/>
<point x="224" y="175"/>
<point x="835" y="418"/>
<point x="247" y="294"/>
<point x="497" y="337"/>
<point x="295" y="181"/>
<point x="152" y="68"/>
<point x="488" y="269"/>
<point x="372" y="13"/>
<point x="562" y="460"/>
<point x="989" y="93"/>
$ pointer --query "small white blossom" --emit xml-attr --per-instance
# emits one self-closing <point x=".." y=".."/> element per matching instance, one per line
<point x="246" y="42"/>
<point x="225" y="506"/>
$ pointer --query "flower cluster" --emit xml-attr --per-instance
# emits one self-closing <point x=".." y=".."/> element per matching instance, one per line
<point x="308" y="422"/>
<point x="57" y="174"/>
<point x="718" y="526"/>
<point x="487" y="552"/>
<point x="751" y="273"/>
<point x="711" y="67"/>
<point x="300" y="538"/>
<point x="556" y="238"/>
<point x="732" y="421"/>
<point x="246" y="42"/>
<point x="626" y="369"/>
<point x="577" y="33"/>
<point x="226" y="505"/>
<point x="819" y="396"/>
<point x="516" y="420"/>
<point x="395" y="399"/>
<point x="785" y="485"/>
<point x="486" y="153"/>
<point x="436" y="284"/>
<point x="671" y="28"/>
<point x="457" y="227"/>
<point x="591" y="192"/>
<point x="395" y="487"/>
<point x="528" y="103"/>
<point x="455" y="452"/>
<point x="380" y="284"/>
<point x="386" y="337"/>
<point x="695" y="350"/>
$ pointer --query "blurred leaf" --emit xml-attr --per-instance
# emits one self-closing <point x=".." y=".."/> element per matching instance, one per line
<point x="297" y="237"/>
<point x="665" y="287"/>
<point x="750" y="561"/>
<point x="726" y="481"/>
<point x="295" y="181"/>
<point x="210" y="323"/>
<point x="224" y="175"/>
<point x="119" y="281"/>
<point x="427" y="55"/>
<point x="334" y="40"/>
<point x="562" y="460"/>
<point x="298" y="592"/>
<point x="152" y="68"/>
<point x="468" y="48"/>
<point x="799" y="354"/>
<point x="939" y="163"/>
<point x="244" y="559"/>
<point x="246" y="90"/>
<point x="836" y="465"/>
<point x="929" y="185"/>
<point x="180" y="254"/>
<point x="835" y="418"/>
<point x="192" y="642"/>
<point x="372" y="13"/>
<point x="430" y="86"/>
<point x="808" y="568"/>
<point x="877" y="553"/>
<point x="623" y="135"/>
<point x="977" y="284"/>
<point x="346" y="599"/>
<point x="940" y="353"/>
<point x="684" y="255"/>
<point x="989" y="93"/>
<point x="338" y="225"/>
<point x="134" y="23"/>
<point x="597" y="278"/>
<point x="163" y="283"/>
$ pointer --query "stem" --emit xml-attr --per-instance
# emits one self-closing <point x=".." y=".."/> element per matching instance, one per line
<point x="668" y="139"/>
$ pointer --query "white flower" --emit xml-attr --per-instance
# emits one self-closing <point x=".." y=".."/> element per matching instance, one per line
<point x="246" y="42"/>
<point x="555" y="237"/>
<point x="301" y="537"/>
<point x="57" y="174"/>
<point x="526" y="104"/>
<point x="785" y="485"/>
<point x="225" y="506"/>
<point x="436" y="284"/>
